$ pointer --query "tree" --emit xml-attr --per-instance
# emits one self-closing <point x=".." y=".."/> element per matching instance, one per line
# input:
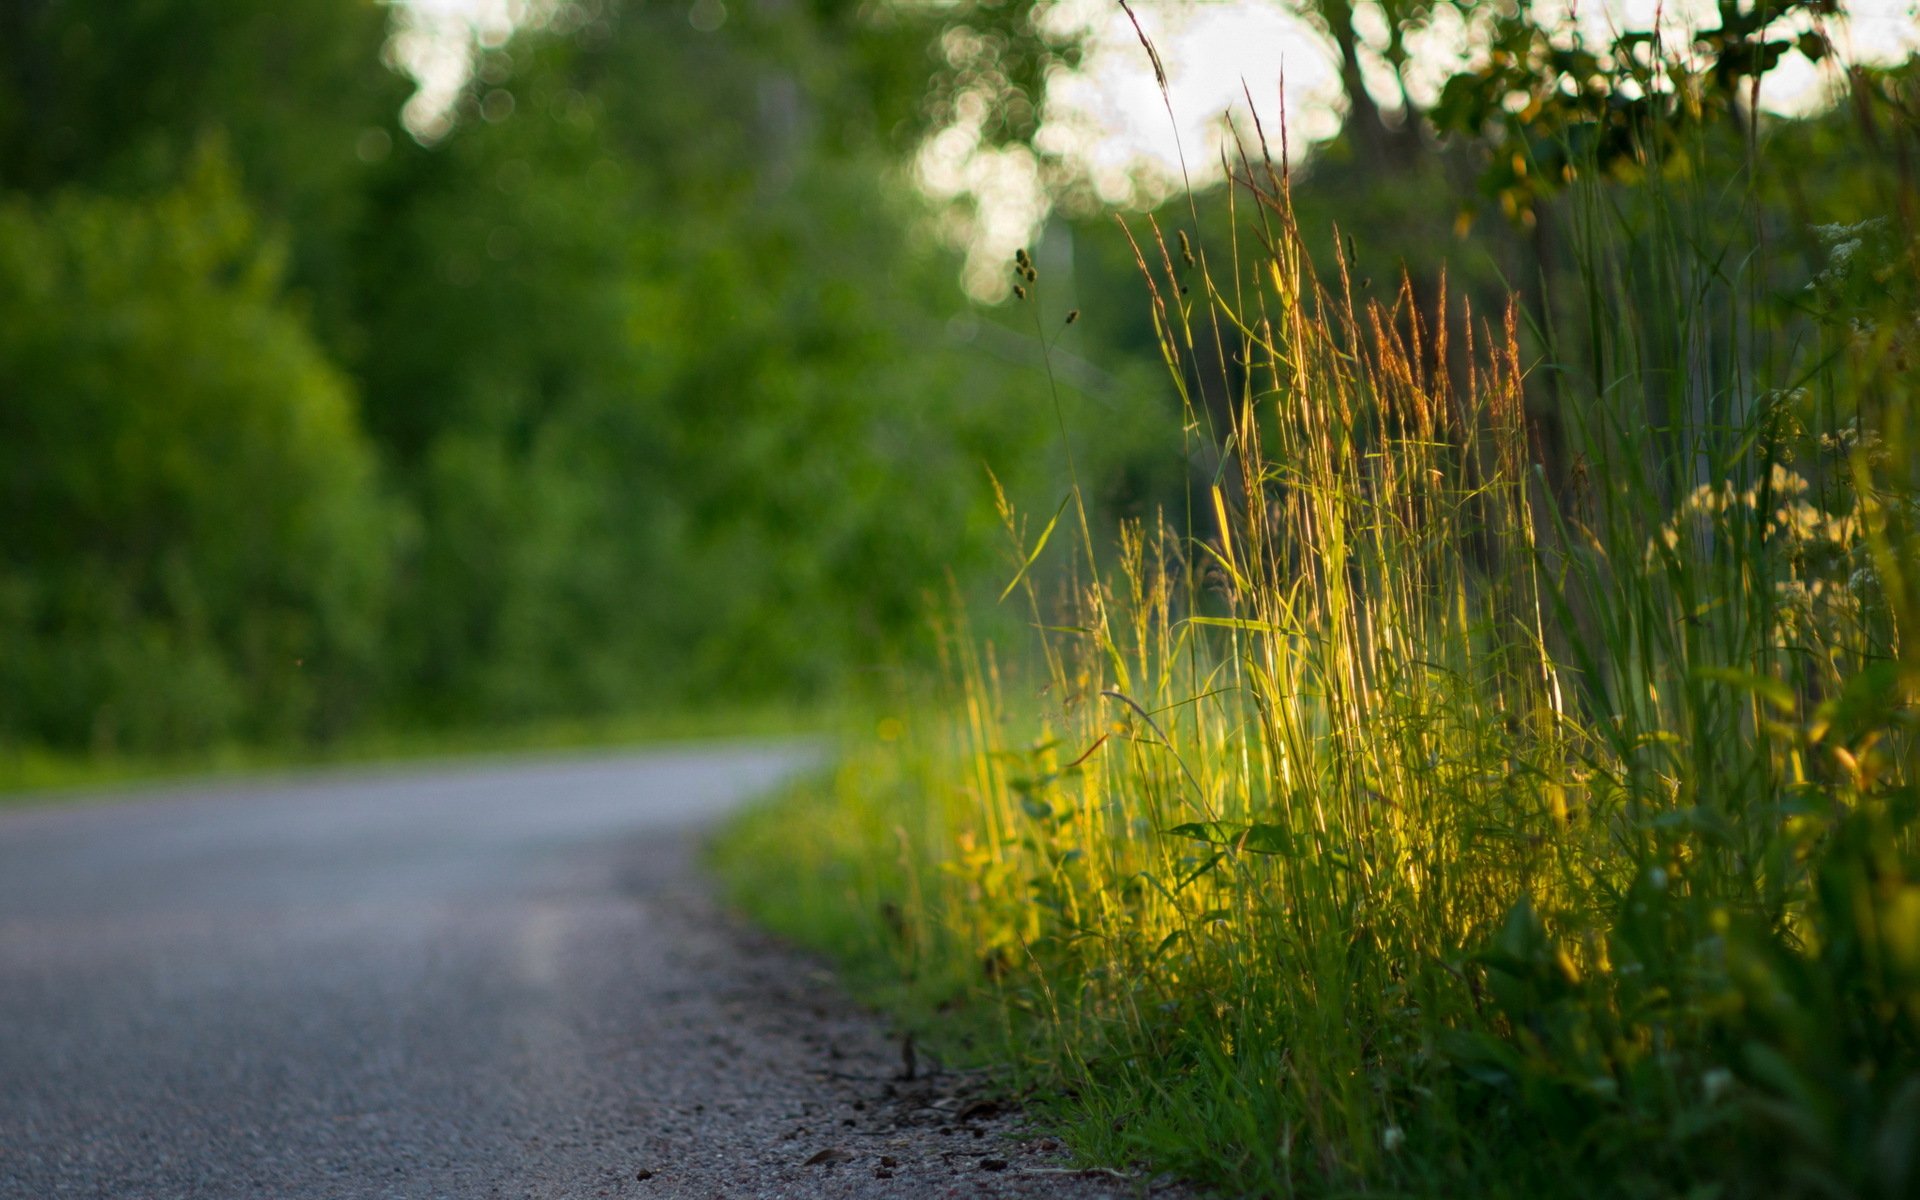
<point x="669" y="380"/>
<point x="196" y="548"/>
<point x="116" y="96"/>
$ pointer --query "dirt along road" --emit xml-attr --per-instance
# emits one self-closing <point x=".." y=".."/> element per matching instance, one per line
<point x="500" y="980"/>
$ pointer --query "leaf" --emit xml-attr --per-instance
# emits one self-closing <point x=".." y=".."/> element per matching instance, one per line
<point x="1259" y="839"/>
<point x="1200" y="870"/>
<point x="1039" y="810"/>
<point x="1098" y="742"/>
<point x="1218" y="833"/>
<point x="1521" y="945"/>
<point x="1226" y="531"/>
<point x="1895" y="1143"/>
<point x="1166" y="943"/>
<point x="1868" y="702"/>
<point x="1773" y="691"/>
<point x="827" y="1157"/>
<point x="1270" y="839"/>
<point x="1232" y="571"/>
<point x="1699" y="820"/>
<point x="1235" y="623"/>
<point x="1037" y="548"/>
<point x="1478" y="1056"/>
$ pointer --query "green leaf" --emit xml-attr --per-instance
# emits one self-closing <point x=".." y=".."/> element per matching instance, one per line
<point x="1259" y="839"/>
<point x="1773" y="691"/>
<point x="1869" y="701"/>
<point x="1235" y="623"/>
<point x="1200" y="870"/>
<point x="1270" y="839"/>
<point x="1218" y="833"/>
<point x="1037" y="548"/>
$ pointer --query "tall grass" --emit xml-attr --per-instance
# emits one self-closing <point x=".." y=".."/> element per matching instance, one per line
<point x="1414" y="819"/>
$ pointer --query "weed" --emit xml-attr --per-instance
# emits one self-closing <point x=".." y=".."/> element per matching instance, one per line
<point x="1419" y="820"/>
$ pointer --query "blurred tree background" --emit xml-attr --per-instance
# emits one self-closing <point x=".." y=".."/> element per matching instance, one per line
<point x="636" y="375"/>
<point x="633" y="382"/>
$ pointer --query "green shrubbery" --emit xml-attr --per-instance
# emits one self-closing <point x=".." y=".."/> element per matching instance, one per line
<point x="197" y="548"/>
<point x="635" y="390"/>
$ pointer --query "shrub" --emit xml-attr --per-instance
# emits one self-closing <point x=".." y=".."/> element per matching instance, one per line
<point x="196" y="549"/>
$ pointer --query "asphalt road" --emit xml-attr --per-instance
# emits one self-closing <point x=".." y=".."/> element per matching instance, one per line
<point x="465" y="982"/>
<point x="457" y="982"/>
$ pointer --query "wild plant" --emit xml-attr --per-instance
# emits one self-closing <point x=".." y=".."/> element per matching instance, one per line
<point x="1446" y="805"/>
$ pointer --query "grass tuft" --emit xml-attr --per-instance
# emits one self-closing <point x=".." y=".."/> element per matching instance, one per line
<point x="1421" y="819"/>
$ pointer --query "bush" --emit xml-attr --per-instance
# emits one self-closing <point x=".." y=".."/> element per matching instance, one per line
<point x="195" y="549"/>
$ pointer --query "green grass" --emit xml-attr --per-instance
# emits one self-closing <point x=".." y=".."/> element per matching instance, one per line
<point x="43" y="777"/>
<point x="1411" y="821"/>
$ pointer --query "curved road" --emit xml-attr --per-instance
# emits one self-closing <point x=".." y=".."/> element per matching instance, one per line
<point x="501" y="980"/>
<point x="459" y="982"/>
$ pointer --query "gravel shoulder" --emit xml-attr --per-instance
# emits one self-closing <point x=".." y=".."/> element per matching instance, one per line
<point x="801" y="1093"/>
<point x="498" y="981"/>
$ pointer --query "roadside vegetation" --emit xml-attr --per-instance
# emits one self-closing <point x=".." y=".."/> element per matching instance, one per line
<point x="1498" y="777"/>
<point x="38" y="776"/>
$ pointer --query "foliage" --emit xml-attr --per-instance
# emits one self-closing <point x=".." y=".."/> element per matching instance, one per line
<point x="117" y="97"/>
<point x="681" y="413"/>
<point x="197" y="547"/>
<point x="651" y="382"/>
<point x="1547" y="101"/>
<point x="1427" y="817"/>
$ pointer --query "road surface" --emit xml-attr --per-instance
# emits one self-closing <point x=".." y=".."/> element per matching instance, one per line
<point x="465" y="982"/>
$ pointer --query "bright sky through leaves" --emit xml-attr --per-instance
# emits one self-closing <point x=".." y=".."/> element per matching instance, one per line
<point x="1108" y="123"/>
